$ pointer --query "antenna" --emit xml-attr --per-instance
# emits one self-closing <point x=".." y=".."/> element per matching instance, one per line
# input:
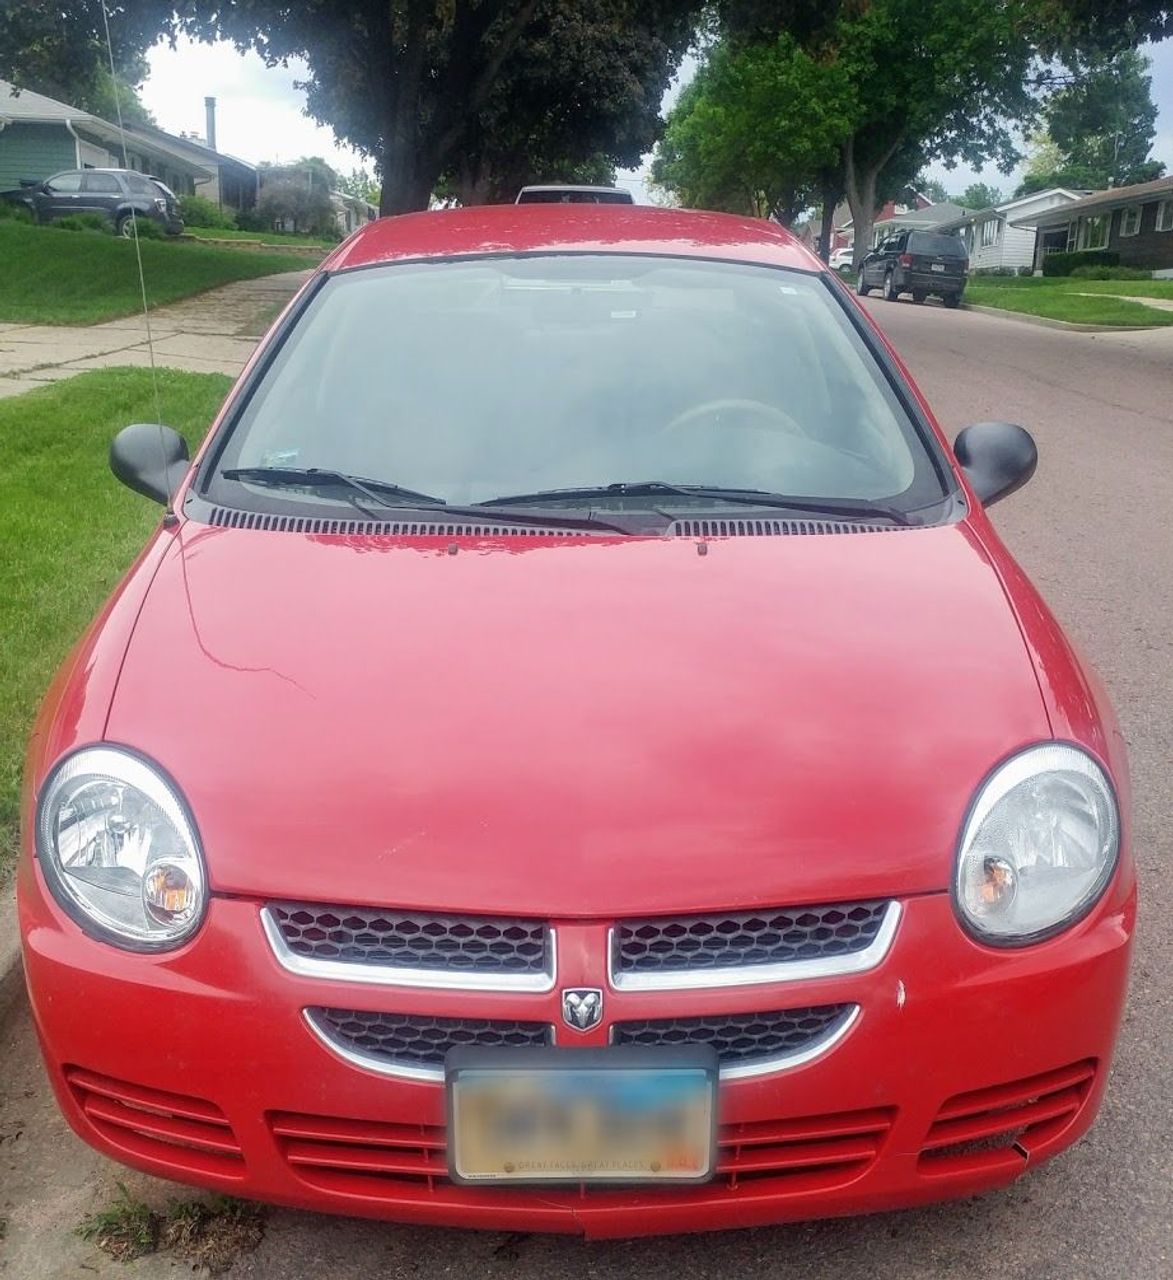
<point x="138" y="253"/>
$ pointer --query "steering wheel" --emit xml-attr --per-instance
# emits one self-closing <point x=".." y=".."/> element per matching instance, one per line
<point x="773" y="417"/>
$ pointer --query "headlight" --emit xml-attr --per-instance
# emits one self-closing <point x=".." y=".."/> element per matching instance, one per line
<point x="119" y="851"/>
<point x="1038" y="847"/>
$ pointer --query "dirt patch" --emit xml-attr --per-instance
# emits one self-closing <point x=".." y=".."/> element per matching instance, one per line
<point x="209" y="1234"/>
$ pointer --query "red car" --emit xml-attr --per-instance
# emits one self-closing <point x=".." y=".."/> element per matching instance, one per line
<point x="575" y="756"/>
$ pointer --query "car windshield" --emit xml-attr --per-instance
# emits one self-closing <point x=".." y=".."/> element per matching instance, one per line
<point x="469" y="380"/>
<point x="938" y="244"/>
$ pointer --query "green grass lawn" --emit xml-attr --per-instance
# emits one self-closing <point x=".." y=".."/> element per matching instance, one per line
<point x="260" y="237"/>
<point x="51" y="276"/>
<point x="1076" y="301"/>
<point x="69" y="530"/>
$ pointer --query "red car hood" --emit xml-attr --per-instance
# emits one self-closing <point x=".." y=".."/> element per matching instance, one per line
<point x="577" y="727"/>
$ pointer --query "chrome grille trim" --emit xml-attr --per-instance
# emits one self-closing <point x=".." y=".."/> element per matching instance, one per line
<point x="386" y="975"/>
<point x="754" y="974"/>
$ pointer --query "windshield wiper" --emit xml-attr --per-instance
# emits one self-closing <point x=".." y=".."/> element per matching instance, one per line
<point x="857" y="507"/>
<point x="321" y="478"/>
<point x="387" y="494"/>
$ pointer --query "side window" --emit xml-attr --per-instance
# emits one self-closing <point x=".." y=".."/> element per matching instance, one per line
<point x="64" y="183"/>
<point x="105" y="184"/>
<point x="141" y="186"/>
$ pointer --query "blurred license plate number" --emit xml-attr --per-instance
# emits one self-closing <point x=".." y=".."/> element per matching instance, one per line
<point x="938" y="266"/>
<point x="608" y="1125"/>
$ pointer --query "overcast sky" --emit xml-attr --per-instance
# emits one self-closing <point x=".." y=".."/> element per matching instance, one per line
<point x="259" y="112"/>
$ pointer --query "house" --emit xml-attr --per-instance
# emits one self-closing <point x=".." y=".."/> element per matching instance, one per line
<point x="40" y="136"/>
<point x="996" y="239"/>
<point x="914" y="213"/>
<point x="1135" y="222"/>
<point x="232" y="183"/>
<point x="922" y="217"/>
<point x="351" y="212"/>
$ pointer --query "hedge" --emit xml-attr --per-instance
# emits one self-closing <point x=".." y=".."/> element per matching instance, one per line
<point x="1063" y="264"/>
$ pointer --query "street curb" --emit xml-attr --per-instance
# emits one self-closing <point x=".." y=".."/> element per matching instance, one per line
<point x="1047" y="323"/>
<point x="11" y="968"/>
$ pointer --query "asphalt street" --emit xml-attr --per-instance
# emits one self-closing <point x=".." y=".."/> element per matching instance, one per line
<point x="1095" y="531"/>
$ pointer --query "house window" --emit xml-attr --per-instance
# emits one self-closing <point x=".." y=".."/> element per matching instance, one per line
<point x="1093" y="232"/>
<point x="1165" y="215"/>
<point x="990" y="232"/>
<point x="1130" y="220"/>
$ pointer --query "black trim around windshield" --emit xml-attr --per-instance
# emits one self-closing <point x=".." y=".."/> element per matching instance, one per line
<point x="951" y="501"/>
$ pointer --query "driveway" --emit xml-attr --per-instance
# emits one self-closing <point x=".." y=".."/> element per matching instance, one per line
<point x="214" y="332"/>
<point x="1095" y="530"/>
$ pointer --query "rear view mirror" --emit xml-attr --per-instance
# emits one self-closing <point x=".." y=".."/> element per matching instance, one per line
<point x="997" y="458"/>
<point x="150" y="459"/>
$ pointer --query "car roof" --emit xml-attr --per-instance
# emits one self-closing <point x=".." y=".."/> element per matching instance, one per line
<point x="580" y="228"/>
<point x="574" y="186"/>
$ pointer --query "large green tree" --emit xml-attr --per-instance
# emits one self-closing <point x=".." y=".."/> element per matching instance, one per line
<point x="756" y="130"/>
<point x="579" y="97"/>
<point x="59" y="46"/>
<point x="1104" y="122"/>
<point x="411" y="83"/>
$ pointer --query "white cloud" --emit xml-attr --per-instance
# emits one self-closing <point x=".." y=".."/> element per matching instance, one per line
<point x="259" y="113"/>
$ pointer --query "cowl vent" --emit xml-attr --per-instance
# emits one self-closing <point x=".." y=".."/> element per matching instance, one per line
<point x="228" y="518"/>
<point x="748" y="527"/>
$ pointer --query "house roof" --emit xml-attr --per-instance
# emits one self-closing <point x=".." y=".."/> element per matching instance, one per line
<point x="1102" y="201"/>
<point x="930" y="216"/>
<point x="981" y="215"/>
<point x="201" y="149"/>
<point x="24" y="106"/>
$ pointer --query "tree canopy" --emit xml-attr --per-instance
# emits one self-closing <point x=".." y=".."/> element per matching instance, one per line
<point x="980" y="195"/>
<point x="753" y="132"/>
<point x="1103" y="124"/>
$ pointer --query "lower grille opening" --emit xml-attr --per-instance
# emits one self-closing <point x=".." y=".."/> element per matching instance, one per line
<point x="367" y="1157"/>
<point x="158" y="1125"/>
<point x="1000" y="1127"/>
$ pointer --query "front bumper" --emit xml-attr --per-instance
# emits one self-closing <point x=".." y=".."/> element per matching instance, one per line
<point x="199" y="1066"/>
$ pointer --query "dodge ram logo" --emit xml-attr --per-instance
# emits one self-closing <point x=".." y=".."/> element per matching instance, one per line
<point x="582" y="1007"/>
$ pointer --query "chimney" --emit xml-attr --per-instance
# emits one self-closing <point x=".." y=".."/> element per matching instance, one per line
<point x="210" y="126"/>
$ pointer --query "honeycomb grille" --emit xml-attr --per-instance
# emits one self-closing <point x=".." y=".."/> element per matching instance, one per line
<point x="746" y="938"/>
<point x="410" y="940"/>
<point x="740" y="1038"/>
<point x="416" y="1040"/>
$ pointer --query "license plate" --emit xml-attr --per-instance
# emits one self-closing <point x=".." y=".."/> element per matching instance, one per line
<point x="620" y="1114"/>
<point x="937" y="266"/>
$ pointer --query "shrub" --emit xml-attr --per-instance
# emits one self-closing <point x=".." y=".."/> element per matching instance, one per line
<point x="12" y="212"/>
<point x="1063" y="264"/>
<point x="308" y="209"/>
<point x="84" y="222"/>
<point x="199" y="211"/>
<point x="1026" y="271"/>
<point x="149" y="229"/>
<point x="994" y="271"/>
<point x="1111" y="273"/>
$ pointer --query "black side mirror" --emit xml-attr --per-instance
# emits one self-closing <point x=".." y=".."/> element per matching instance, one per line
<point x="997" y="458"/>
<point x="150" y="459"/>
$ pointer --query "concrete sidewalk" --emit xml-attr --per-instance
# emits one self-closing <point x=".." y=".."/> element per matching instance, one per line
<point x="214" y="332"/>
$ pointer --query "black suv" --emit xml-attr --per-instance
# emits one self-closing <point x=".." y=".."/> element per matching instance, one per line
<point x="114" y="193"/>
<point x="916" y="262"/>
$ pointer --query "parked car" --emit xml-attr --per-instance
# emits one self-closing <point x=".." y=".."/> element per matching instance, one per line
<point x="114" y="193"/>
<point x="565" y="193"/>
<point x="841" y="259"/>
<point x="919" y="263"/>
<point x="611" y="778"/>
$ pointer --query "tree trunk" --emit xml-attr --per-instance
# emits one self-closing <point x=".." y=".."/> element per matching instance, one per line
<point x="406" y="175"/>
<point x="832" y="193"/>
<point x="860" y="189"/>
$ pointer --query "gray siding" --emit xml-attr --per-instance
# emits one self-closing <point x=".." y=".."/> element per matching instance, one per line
<point x="34" y="151"/>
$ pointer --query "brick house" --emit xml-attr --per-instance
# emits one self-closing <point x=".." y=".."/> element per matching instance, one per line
<point x="1135" y="222"/>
